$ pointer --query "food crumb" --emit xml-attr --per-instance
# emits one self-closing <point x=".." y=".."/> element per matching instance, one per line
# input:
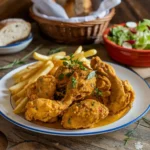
<point x="138" y="145"/>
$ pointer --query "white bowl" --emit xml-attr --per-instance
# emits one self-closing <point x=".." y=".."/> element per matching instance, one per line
<point x="17" y="46"/>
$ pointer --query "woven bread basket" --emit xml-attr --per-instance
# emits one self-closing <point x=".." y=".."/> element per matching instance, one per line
<point x="74" y="33"/>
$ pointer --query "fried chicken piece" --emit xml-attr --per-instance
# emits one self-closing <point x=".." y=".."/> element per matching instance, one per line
<point x="120" y="97"/>
<point x="101" y="67"/>
<point x="44" y="87"/>
<point x="46" y="110"/>
<point x="62" y="75"/>
<point x="79" y="86"/>
<point x="84" y="114"/>
<point x="103" y="85"/>
<point x="122" y="94"/>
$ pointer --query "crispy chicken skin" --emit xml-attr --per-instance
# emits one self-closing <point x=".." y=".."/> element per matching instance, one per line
<point x="79" y="86"/>
<point x="62" y="70"/>
<point x="46" y="110"/>
<point x="122" y="94"/>
<point x="84" y="114"/>
<point x="44" y="87"/>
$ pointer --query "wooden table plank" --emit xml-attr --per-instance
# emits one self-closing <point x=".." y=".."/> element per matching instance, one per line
<point x="132" y="10"/>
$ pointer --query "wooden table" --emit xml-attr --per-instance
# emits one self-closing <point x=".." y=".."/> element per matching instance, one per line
<point x="19" y="138"/>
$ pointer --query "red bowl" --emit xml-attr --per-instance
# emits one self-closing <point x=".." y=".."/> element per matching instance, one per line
<point x="132" y="57"/>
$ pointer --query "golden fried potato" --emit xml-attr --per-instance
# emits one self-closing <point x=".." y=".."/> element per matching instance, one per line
<point x="84" y="114"/>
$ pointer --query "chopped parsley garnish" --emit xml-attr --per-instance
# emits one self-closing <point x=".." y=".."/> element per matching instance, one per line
<point x="91" y="75"/>
<point x="69" y="74"/>
<point x="97" y="92"/>
<point x="71" y="63"/>
<point x="61" y="76"/>
<point x="74" y="82"/>
<point x="65" y="63"/>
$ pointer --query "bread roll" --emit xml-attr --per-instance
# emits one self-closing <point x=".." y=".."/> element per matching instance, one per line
<point x="78" y="7"/>
<point x="13" y="30"/>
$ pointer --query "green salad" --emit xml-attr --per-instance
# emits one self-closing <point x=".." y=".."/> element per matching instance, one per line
<point x="132" y="35"/>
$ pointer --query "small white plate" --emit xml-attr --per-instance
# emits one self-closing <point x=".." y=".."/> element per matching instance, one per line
<point x="16" y="47"/>
<point x="140" y="107"/>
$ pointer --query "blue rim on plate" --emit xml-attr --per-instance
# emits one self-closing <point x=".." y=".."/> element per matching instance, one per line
<point x="85" y="133"/>
<point x="30" y="37"/>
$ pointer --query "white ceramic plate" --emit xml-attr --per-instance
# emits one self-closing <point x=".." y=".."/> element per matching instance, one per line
<point x="140" y="107"/>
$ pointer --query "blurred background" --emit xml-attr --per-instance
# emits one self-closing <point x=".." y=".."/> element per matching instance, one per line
<point x="131" y="9"/>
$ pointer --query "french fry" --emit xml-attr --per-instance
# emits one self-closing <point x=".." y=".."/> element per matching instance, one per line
<point x="21" y="106"/>
<point x="90" y="53"/>
<point x="27" y="69"/>
<point x="20" y="94"/>
<point x="57" y="54"/>
<point x="35" y="65"/>
<point x="57" y="57"/>
<point x="28" y="75"/>
<point x="21" y="80"/>
<point x="43" y="71"/>
<point x="86" y="61"/>
<point x="78" y="56"/>
<point x="17" y="87"/>
<point x="57" y="64"/>
<point x="18" y="101"/>
<point x="41" y="57"/>
<point x="79" y="50"/>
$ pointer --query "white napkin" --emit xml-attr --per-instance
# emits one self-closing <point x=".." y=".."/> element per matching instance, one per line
<point x="50" y="8"/>
<point x="53" y="11"/>
<point x="143" y="72"/>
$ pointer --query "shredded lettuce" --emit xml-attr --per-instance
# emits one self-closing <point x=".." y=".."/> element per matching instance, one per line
<point x="121" y="34"/>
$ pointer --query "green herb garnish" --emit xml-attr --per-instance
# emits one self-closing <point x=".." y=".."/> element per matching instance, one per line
<point x="71" y="63"/>
<point x="21" y="61"/>
<point x="65" y="63"/>
<point x="91" y="75"/>
<point x="69" y="74"/>
<point x="61" y="76"/>
<point x="130" y="133"/>
<point x="56" y="50"/>
<point x="97" y="92"/>
<point x="147" y="121"/>
<point x="74" y="82"/>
